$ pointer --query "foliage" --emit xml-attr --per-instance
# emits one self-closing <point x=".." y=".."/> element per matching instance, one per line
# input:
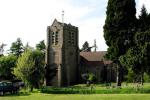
<point x="7" y="63"/>
<point x="130" y="76"/>
<point x="146" y="77"/>
<point x="143" y="20"/>
<point x="137" y="57"/>
<point x="97" y="89"/>
<point x="119" y="25"/>
<point x="89" y="78"/>
<point x="119" y="30"/>
<point x="2" y="49"/>
<point x="39" y="70"/>
<point x="25" y="68"/>
<point x="16" y="47"/>
<point x="92" y="78"/>
<point x="41" y="46"/>
<point x="30" y="68"/>
<point x="86" y="47"/>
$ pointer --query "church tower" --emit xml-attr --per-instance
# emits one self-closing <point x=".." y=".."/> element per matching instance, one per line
<point x="62" y="54"/>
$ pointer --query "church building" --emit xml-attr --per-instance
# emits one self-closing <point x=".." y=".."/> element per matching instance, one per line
<point x="64" y="63"/>
<point x="62" y="54"/>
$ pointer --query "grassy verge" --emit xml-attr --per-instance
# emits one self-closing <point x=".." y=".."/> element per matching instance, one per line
<point x="97" y="89"/>
<point x="42" y="96"/>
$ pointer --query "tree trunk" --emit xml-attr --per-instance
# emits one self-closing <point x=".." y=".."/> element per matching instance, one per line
<point x="118" y="76"/>
<point x="31" y="89"/>
<point x="142" y="74"/>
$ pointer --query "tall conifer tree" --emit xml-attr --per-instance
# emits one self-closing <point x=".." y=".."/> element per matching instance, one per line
<point x="119" y="30"/>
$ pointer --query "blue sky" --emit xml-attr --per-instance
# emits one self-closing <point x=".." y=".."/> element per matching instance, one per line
<point x="28" y="19"/>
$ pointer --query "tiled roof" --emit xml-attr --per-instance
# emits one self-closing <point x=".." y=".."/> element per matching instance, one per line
<point x="95" y="57"/>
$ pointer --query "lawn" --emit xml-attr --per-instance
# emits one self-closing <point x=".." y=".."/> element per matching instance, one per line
<point x="82" y="92"/>
<point x="98" y="89"/>
<point x="42" y="96"/>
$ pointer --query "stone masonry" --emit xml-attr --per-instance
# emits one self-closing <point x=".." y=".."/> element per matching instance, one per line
<point x="62" y="54"/>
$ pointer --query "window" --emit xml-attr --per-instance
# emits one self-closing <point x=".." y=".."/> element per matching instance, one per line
<point x="71" y="39"/>
<point x="55" y="38"/>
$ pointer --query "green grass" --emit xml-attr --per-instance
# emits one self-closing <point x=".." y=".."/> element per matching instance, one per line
<point x="42" y="96"/>
<point x="82" y="92"/>
<point x="98" y="89"/>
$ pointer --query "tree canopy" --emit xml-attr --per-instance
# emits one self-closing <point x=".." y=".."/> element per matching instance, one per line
<point x="7" y="63"/>
<point x="137" y="57"/>
<point x="119" y="29"/>
<point x="41" y="46"/>
<point x="30" y="68"/>
<point x="17" y="47"/>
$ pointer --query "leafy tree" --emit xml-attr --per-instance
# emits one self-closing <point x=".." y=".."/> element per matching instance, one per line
<point x="24" y="68"/>
<point x="39" y="71"/>
<point x="131" y="76"/>
<point x="137" y="57"/>
<point x="41" y="46"/>
<point x="16" y="47"/>
<point x="119" y="30"/>
<point x="30" y="68"/>
<point x="7" y="63"/>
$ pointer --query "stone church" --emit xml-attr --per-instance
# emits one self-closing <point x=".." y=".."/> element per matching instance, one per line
<point x="63" y="57"/>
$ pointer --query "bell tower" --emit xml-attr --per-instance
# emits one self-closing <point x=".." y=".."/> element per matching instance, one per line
<point x="62" y="54"/>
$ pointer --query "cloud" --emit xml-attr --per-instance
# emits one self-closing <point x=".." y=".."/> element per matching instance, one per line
<point x="28" y="19"/>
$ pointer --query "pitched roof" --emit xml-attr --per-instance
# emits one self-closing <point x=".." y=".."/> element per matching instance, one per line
<point x="93" y="56"/>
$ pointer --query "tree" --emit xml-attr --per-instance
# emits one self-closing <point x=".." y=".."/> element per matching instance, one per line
<point x="137" y="57"/>
<point x="143" y="20"/>
<point x="2" y="49"/>
<point x="25" y="68"/>
<point x="119" y="30"/>
<point x="30" y="68"/>
<point x="39" y="72"/>
<point x="86" y="47"/>
<point x="7" y="63"/>
<point x="16" y="47"/>
<point x="41" y="46"/>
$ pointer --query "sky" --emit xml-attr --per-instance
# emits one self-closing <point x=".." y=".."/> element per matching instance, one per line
<point x="28" y="19"/>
